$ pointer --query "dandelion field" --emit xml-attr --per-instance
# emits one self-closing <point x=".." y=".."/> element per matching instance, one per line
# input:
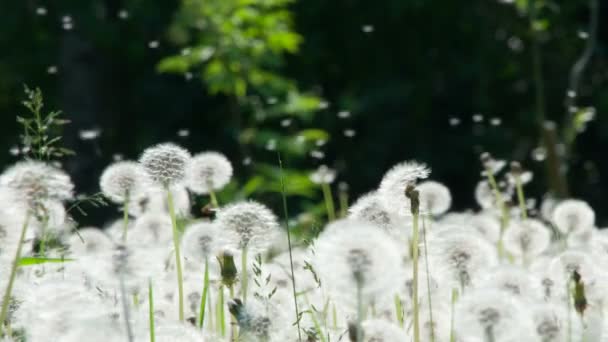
<point x="301" y="206"/>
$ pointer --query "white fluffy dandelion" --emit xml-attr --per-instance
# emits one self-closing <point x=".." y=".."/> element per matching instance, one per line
<point x="208" y="171"/>
<point x="247" y="225"/>
<point x="395" y="181"/>
<point x="573" y="215"/>
<point x="199" y="242"/>
<point x="123" y="180"/>
<point x="323" y="175"/>
<point x="165" y="163"/>
<point x="435" y="198"/>
<point x="360" y="256"/>
<point x="38" y="181"/>
<point x="527" y="239"/>
<point x="370" y="208"/>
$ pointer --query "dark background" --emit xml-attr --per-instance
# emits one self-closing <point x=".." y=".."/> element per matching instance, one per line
<point x="424" y="63"/>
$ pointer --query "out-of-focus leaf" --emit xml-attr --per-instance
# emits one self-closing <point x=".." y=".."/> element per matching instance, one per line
<point x="27" y="261"/>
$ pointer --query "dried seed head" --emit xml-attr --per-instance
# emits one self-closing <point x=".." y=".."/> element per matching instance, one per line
<point x="435" y="198"/>
<point x="123" y="179"/>
<point x="208" y="171"/>
<point x="395" y="182"/>
<point x="248" y="225"/>
<point x="165" y="163"/>
<point x="38" y="181"/>
<point x="573" y="215"/>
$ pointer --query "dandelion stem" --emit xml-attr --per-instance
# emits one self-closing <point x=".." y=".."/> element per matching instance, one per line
<point x="201" y="320"/>
<point x="343" y="198"/>
<point x="329" y="202"/>
<point x="293" y="277"/>
<point x="43" y="235"/>
<point x="125" y="306"/>
<point x="453" y="303"/>
<point x="125" y="218"/>
<point x="504" y="218"/>
<point x="520" y="197"/>
<point x="415" y="279"/>
<point x="213" y="198"/>
<point x="399" y="310"/>
<point x="151" y="309"/>
<point x="359" y="311"/>
<point x="221" y="321"/>
<point x="178" y="259"/>
<point x="9" y="287"/>
<point x="244" y="280"/>
<point x="233" y="335"/>
<point x="428" y="280"/>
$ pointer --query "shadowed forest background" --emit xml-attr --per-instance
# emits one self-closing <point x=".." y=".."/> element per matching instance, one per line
<point x="356" y="85"/>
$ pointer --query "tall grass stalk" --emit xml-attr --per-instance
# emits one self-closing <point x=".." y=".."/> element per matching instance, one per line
<point x="178" y="259"/>
<point x="399" y="311"/>
<point x="201" y="319"/>
<point x="9" y="287"/>
<point x="293" y="277"/>
<point x="428" y="280"/>
<point x="329" y="201"/>
<point x="151" y="310"/>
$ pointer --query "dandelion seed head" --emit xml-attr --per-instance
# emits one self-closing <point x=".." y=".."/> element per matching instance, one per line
<point x="123" y="180"/>
<point x="155" y="200"/>
<point x="152" y="228"/>
<point x="199" y="241"/>
<point x="435" y="198"/>
<point x="512" y="280"/>
<point x="323" y="175"/>
<point x="528" y="238"/>
<point x="360" y="255"/>
<point x="38" y="181"/>
<point x="369" y="208"/>
<point x="395" y="181"/>
<point x="89" y="241"/>
<point x="176" y="331"/>
<point x="208" y="171"/>
<point x="573" y="215"/>
<point x="249" y="225"/>
<point x="379" y="330"/>
<point x="165" y="163"/>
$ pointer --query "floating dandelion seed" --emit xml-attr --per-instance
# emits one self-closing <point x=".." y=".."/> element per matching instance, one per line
<point x="52" y="69"/>
<point x="367" y="28"/>
<point x="477" y="118"/>
<point x="153" y="44"/>
<point x="454" y="121"/>
<point x="123" y="14"/>
<point x="183" y="133"/>
<point x="317" y="154"/>
<point x="89" y="134"/>
<point x="286" y="122"/>
<point x="41" y="11"/>
<point x="349" y="133"/>
<point x="495" y="121"/>
<point x="539" y="154"/>
<point x="208" y="171"/>
<point x="343" y="114"/>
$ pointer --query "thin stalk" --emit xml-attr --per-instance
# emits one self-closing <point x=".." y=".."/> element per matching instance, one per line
<point x="399" y="311"/>
<point x="201" y="320"/>
<point x="343" y="199"/>
<point x="151" y="310"/>
<point x="244" y="278"/>
<point x="178" y="259"/>
<point x="293" y="277"/>
<point x="329" y="202"/>
<point x="213" y="198"/>
<point x="334" y="316"/>
<point x="233" y="335"/>
<point x="504" y="218"/>
<point x="315" y="321"/>
<point x="452" y="305"/>
<point x="125" y="306"/>
<point x="210" y="307"/>
<point x="125" y="219"/>
<point x="221" y="319"/>
<point x="415" y="279"/>
<point x="428" y="280"/>
<point x="520" y="197"/>
<point x="43" y="235"/>
<point x="9" y="287"/>
<point x="359" y="311"/>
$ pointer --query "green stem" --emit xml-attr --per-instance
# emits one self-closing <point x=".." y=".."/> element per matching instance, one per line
<point x="399" y="311"/>
<point x="315" y="321"/>
<point x="334" y="316"/>
<point x="293" y="277"/>
<point x="221" y="317"/>
<point x="125" y="305"/>
<point x="520" y="197"/>
<point x="452" y="305"/>
<point x="343" y="198"/>
<point x="415" y="279"/>
<point x="428" y="280"/>
<point x="213" y="198"/>
<point x="329" y="202"/>
<point x="504" y="219"/>
<point x="151" y="310"/>
<point x="359" y="312"/>
<point x="43" y="236"/>
<point x="244" y="278"/>
<point x="178" y="259"/>
<point x="201" y="320"/>
<point x="9" y="287"/>
<point x="125" y="218"/>
<point x="233" y="323"/>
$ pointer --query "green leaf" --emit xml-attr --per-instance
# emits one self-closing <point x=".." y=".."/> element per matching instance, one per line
<point x="27" y="261"/>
